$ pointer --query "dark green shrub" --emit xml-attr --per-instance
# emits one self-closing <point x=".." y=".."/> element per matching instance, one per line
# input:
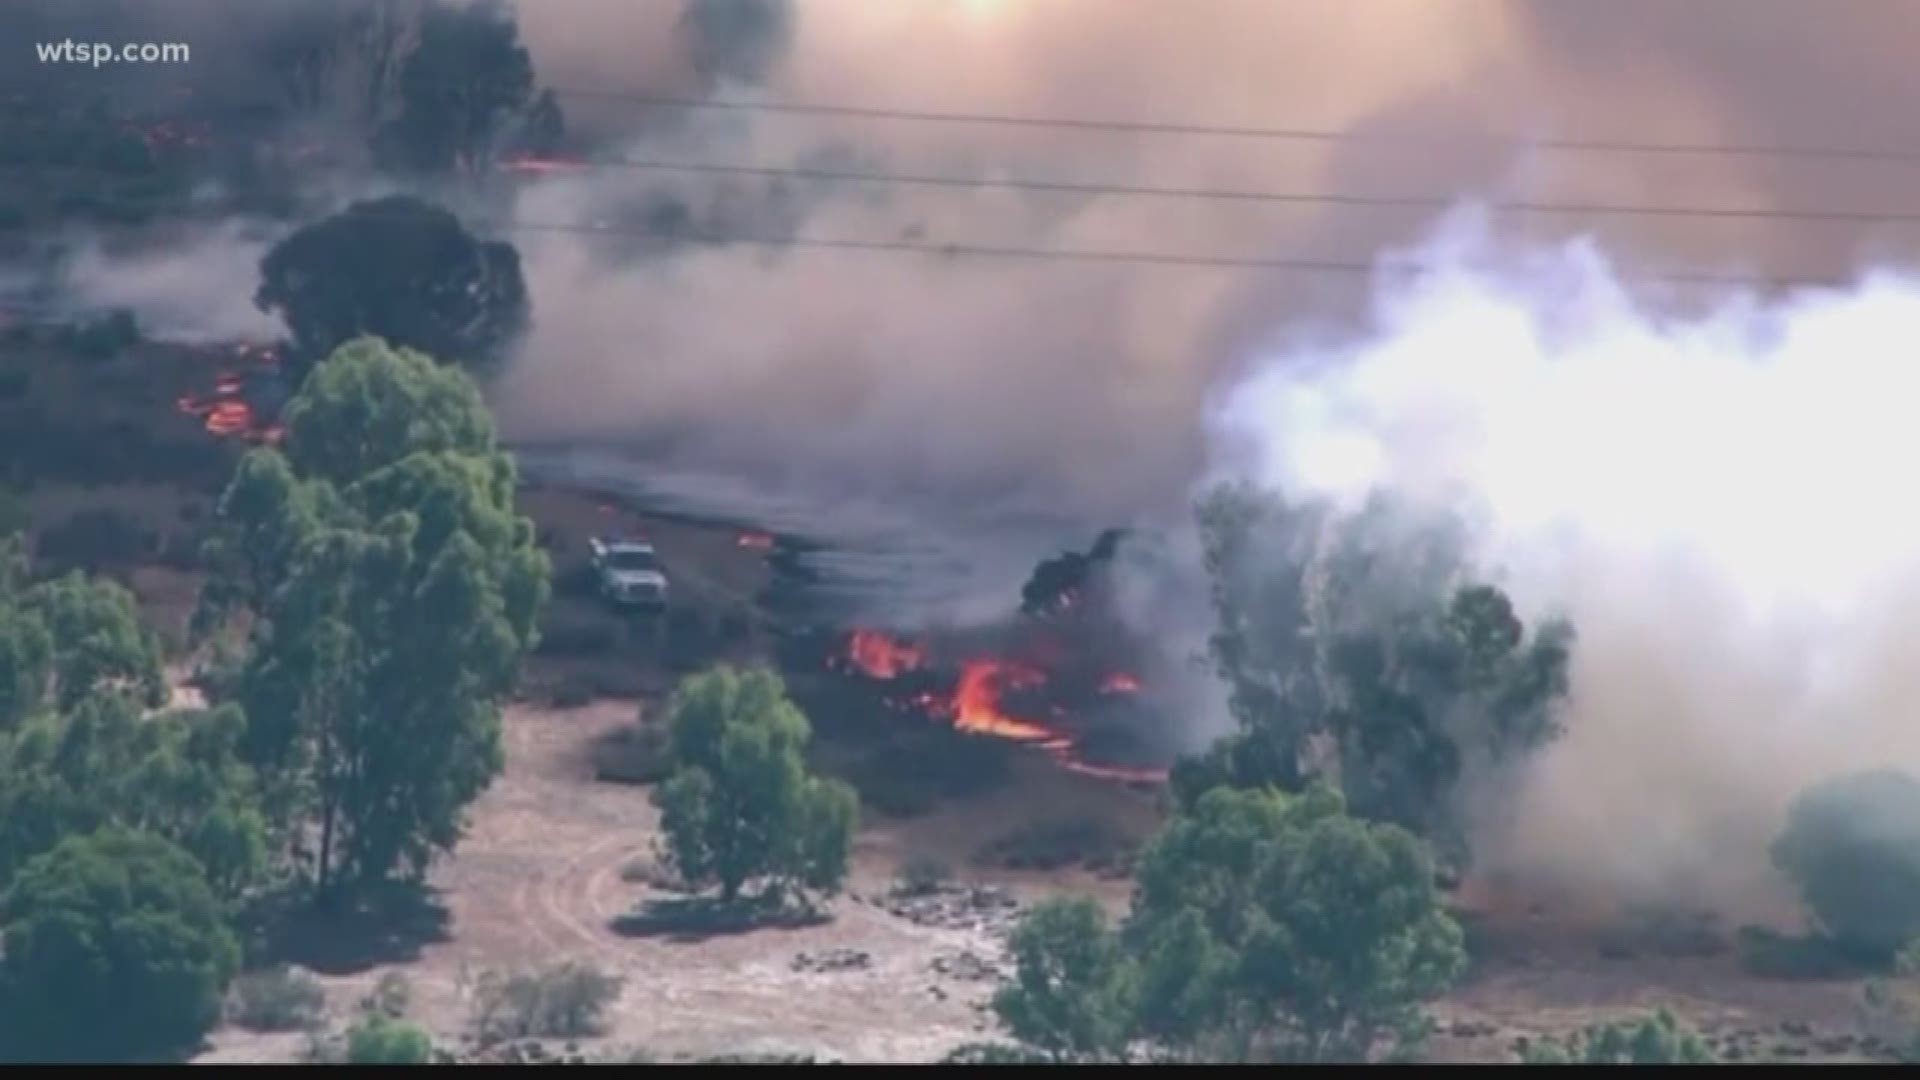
<point x="380" y="1040"/>
<point x="1852" y="844"/>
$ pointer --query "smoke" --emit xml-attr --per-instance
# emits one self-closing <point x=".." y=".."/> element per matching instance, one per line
<point x="197" y="287"/>
<point x="1714" y="498"/>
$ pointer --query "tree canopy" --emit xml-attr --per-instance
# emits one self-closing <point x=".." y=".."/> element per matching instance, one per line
<point x="1278" y="927"/>
<point x="400" y="269"/>
<point x="1359" y="647"/>
<point x="1852" y="844"/>
<point x="1072" y="988"/>
<point x="465" y="82"/>
<point x="395" y="580"/>
<point x="1265" y="927"/>
<point x="114" y="947"/>
<point x="739" y="808"/>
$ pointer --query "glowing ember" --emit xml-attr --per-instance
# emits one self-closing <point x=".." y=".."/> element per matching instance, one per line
<point x="755" y="541"/>
<point x="1120" y="683"/>
<point x="881" y="657"/>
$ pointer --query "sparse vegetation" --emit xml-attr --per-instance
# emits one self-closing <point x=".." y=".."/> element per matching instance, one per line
<point x="562" y="1002"/>
<point x="922" y="876"/>
<point x="1053" y="845"/>
<point x="381" y="1040"/>
<point x="1655" y="1040"/>
<point x="390" y="997"/>
<point x="279" y="998"/>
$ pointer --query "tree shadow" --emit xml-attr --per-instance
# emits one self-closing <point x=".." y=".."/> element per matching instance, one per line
<point x="387" y="924"/>
<point x="695" y="919"/>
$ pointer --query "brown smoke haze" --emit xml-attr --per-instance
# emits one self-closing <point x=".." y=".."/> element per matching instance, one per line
<point x="1077" y="384"/>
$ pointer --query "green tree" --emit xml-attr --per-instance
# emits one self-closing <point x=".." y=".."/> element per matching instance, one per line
<point x="66" y="639"/>
<point x="1852" y="844"/>
<point x="400" y="269"/>
<point x="466" y="80"/>
<point x="1278" y="927"/>
<point x="398" y="592"/>
<point x="99" y="642"/>
<point x="1072" y="988"/>
<point x="114" y="947"/>
<point x="1364" y="634"/>
<point x="381" y="1040"/>
<point x="177" y="775"/>
<point x="1659" y="1039"/>
<point x="739" y="807"/>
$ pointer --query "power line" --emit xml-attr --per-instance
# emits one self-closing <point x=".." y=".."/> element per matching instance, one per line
<point x="1230" y="131"/>
<point x="1411" y="202"/>
<point x="1193" y="260"/>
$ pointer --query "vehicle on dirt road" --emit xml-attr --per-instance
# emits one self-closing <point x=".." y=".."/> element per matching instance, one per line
<point x="628" y="573"/>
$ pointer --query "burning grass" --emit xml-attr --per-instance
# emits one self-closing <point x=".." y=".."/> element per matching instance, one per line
<point x="1042" y="697"/>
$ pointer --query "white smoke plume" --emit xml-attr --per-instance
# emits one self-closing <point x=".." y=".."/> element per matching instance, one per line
<point x="1718" y="500"/>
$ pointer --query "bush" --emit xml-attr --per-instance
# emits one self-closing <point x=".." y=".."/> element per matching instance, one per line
<point x="923" y="875"/>
<point x="1655" y="1040"/>
<point x="390" y="997"/>
<point x="380" y="1040"/>
<point x="115" y="946"/>
<point x="562" y="1002"/>
<point x="1852" y="844"/>
<point x="280" y="998"/>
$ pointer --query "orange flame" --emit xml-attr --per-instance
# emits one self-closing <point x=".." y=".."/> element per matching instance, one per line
<point x="755" y="541"/>
<point x="881" y="657"/>
<point x="976" y="704"/>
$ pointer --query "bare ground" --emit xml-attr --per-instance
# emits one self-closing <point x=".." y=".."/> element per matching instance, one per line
<point x="539" y="879"/>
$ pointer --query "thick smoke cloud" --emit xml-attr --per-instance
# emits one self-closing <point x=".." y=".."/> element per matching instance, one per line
<point x="1715" y="501"/>
<point x="1075" y="385"/>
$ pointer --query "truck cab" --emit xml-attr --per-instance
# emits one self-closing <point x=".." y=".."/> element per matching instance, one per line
<point x="628" y="573"/>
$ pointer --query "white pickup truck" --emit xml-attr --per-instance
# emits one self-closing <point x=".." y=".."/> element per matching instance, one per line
<point x="629" y="574"/>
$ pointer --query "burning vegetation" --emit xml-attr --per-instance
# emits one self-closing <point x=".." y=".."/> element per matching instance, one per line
<point x="1063" y="674"/>
<point x="1021" y="698"/>
<point x="233" y="410"/>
